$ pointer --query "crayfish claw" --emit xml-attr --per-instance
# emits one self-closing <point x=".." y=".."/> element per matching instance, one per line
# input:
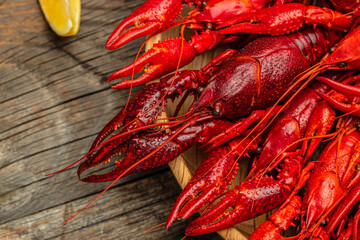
<point x="320" y="123"/>
<point x="163" y="58"/>
<point x="285" y="18"/>
<point x="279" y="221"/>
<point x="190" y="203"/>
<point x="110" y="127"/>
<point x="327" y="189"/>
<point x="140" y="112"/>
<point x="210" y="180"/>
<point x="152" y="17"/>
<point x="141" y="152"/>
<point x="246" y="200"/>
<point x="110" y="176"/>
<point x="103" y="155"/>
<point x="116" y="39"/>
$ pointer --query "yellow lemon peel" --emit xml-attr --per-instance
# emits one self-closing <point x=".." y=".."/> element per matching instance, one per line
<point x="63" y="16"/>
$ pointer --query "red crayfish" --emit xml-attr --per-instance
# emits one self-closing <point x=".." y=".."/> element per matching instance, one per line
<point x="254" y="102"/>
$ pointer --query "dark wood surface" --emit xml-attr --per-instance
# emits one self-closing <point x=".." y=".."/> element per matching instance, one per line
<point x="54" y="99"/>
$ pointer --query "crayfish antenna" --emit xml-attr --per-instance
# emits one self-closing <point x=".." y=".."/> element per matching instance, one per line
<point x="344" y="208"/>
<point x="342" y="87"/>
<point x="154" y="227"/>
<point x="69" y="166"/>
<point x="133" y="72"/>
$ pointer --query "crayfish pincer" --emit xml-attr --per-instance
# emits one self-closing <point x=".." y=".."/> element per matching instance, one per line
<point x="235" y="83"/>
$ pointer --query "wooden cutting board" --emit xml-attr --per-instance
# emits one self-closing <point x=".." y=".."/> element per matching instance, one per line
<point x="185" y="165"/>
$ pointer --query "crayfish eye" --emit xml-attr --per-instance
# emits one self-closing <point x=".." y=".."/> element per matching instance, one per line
<point x="342" y="64"/>
<point x="331" y="50"/>
<point x="217" y="109"/>
<point x="323" y="223"/>
<point x="258" y="150"/>
<point x="203" y="5"/>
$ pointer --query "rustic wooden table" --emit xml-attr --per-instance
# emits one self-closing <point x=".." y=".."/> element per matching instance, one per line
<point x="54" y="99"/>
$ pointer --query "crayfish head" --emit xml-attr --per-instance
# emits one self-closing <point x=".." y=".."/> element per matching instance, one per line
<point x="345" y="54"/>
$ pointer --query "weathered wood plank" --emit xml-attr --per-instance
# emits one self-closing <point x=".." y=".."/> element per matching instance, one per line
<point x="52" y="105"/>
<point x="54" y="100"/>
<point x="122" y="218"/>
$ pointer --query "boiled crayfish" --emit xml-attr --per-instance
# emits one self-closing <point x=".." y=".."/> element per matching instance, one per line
<point x="235" y="83"/>
<point x="253" y="101"/>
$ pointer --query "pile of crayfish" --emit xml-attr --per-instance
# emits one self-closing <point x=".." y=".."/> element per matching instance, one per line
<point x="286" y="96"/>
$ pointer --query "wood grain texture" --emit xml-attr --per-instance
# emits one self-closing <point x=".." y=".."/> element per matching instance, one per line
<point x="54" y="100"/>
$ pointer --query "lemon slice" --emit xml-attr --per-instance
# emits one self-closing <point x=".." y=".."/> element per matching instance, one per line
<point x="63" y="16"/>
<point x="75" y="10"/>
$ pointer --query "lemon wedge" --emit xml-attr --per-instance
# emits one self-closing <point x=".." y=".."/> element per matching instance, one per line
<point x="63" y="16"/>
